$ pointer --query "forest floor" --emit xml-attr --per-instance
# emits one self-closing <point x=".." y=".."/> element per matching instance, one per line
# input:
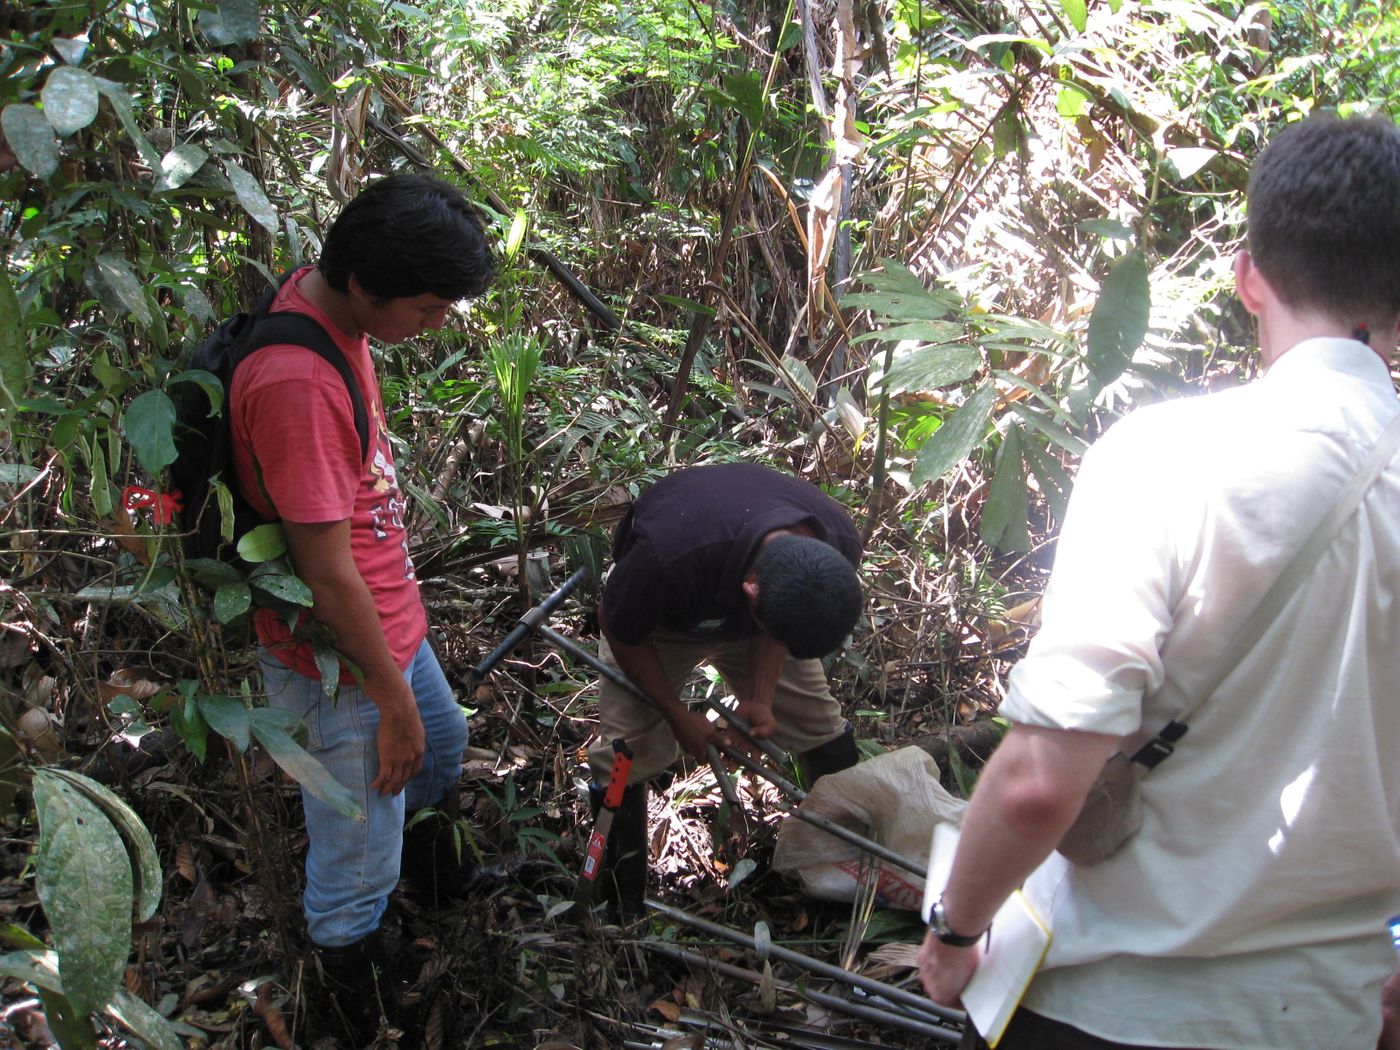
<point x="514" y="963"/>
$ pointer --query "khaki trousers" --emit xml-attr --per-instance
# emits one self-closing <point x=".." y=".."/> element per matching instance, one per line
<point x="805" y="712"/>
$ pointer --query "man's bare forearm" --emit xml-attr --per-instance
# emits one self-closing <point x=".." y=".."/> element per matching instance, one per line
<point x="1027" y="797"/>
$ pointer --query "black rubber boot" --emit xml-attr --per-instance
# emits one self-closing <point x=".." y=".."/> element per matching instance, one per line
<point x="436" y="860"/>
<point x="623" y="880"/>
<point x="831" y="757"/>
<point x="357" y="978"/>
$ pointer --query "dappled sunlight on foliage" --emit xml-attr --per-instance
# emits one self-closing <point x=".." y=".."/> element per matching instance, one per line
<point x="919" y="253"/>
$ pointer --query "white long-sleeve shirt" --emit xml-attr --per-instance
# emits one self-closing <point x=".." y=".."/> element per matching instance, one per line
<point x="1250" y="909"/>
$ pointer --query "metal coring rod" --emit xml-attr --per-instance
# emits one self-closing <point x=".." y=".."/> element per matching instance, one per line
<point x="533" y="622"/>
<point x="894" y="995"/>
<point x="904" y="1020"/>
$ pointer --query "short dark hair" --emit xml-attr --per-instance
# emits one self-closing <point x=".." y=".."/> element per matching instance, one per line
<point x="408" y="235"/>
<point x="808" y="594"/>
<point x="1324" y="217"/>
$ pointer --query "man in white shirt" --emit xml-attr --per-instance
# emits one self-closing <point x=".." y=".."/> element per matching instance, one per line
<point x="1249" y="911"/>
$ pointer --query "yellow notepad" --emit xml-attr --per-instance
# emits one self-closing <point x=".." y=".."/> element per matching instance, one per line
<point x="1010" y="957"/>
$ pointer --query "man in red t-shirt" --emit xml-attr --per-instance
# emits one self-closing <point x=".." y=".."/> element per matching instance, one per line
<point x="394" y="262"/>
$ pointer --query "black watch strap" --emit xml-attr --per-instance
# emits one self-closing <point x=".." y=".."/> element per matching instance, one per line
<point x="938" y="923"/>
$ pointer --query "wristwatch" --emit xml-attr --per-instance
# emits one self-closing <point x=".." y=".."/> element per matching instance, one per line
<point x="938" y="923"/>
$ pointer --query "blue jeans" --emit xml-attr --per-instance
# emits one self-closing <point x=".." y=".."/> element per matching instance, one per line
<point x="352" y="866"/>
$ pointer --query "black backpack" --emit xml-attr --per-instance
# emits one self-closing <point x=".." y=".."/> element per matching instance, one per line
<point x="204" y="438"/>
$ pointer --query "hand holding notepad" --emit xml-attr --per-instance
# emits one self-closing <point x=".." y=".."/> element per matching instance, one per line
<point x="1010" y="956"/>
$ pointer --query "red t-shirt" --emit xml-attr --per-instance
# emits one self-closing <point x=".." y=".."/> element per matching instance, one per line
<point x="298" y="457"/>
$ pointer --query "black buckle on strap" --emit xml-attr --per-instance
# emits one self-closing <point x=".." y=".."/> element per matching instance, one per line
<point x="1161" y="745"/>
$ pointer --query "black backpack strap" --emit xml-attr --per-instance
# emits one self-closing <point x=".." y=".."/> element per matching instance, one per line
<point x="287" y="327"/>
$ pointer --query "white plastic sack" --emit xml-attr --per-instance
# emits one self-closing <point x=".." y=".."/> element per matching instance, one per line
<point x="895" y="799"/>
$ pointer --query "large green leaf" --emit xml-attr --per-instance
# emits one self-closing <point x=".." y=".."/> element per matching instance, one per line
<point x="956" y="438"/>
<point x="930" y="368"/>
<point x="271" y="733"/>
<point x="179" y="165"/>
<point x="14" y="362"/>
<point x="1077" y="11"/>
<point x="920" y="331"/>
<point x="1004" y="513"/>
<point x="139" y="843"/>
<point x="227" y="716"/>
<point x="40" y="968"/>
<point x="125" y="110"/>
<point x="262" y="543"/>
<point x="84" y="880"/>
<point x="281" y="585"/>
<point x="231" y="601"/>
<point x="32" y="138"/>
<point x="123" y="282"/>
<point x="138" y="1017"/>
<point x="149" y="425"/>
<point x="250" y="194"/>
<point x="1052" y="478"/>
<point x="1119" y="321"/>
<point x="70" y="99"/>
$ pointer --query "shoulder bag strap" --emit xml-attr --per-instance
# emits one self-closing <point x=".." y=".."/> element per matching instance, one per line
<point x="1276" y="597"/>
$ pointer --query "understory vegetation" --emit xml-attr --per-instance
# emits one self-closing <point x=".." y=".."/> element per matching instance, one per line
<point x="920" y="252"/>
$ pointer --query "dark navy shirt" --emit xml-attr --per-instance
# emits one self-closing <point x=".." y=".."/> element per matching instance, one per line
<point x="681" y="553"/>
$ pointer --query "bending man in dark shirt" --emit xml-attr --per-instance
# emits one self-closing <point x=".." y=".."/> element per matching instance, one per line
<point x="751" y="571"/>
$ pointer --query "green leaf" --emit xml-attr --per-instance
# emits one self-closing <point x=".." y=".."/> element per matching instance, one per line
<point x="149" y="424"/>
<point x="179" y="165"/>
<point x="223" y="495"/>
<point x="140" y="846"/>
<point x="70" y="99"/>
<point x="208" y="382"/>
<point x="690" y="305"/>
<point x="36" y="966"/>
<point x="227" y="716"/>
<point x="328" y="664"/>
<point x="17" y="473"/>
<point x="1054" y="481"/>
<point x="281" y="585"/>
<point x="250" y="194"/>
<point x="138" y="1017"/>
<point x="32" y="138"/>
<point x="799" y="376"/>
<point x="191" y="727"/>
<point x="922" y="331"/>
<point x="121" y="278"/>
<point x="1004" y="513"/>
<point x="262" y="543"/>
<point x="1071" y="101"/>
<point x="212" y="573"/>
<point x="1119" y="321"/>
<point x="516" y="237"/>
<point x="84" y="880"/>
<point x="122" y="105"/>
<point x="1077" y="11"/>
<point x="231" y="601"/>
<point x="1110" y="229"/>
<point x="14" y="362"/>
<point x="956" y="438"/>
<point x="930" y="368"/>
<point x="300" y="765"/>
<point x="745" y="92"/>
<point x="1052" y="430"/>
<point x="745" y="867"/>
<point x="100" y="484"/>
